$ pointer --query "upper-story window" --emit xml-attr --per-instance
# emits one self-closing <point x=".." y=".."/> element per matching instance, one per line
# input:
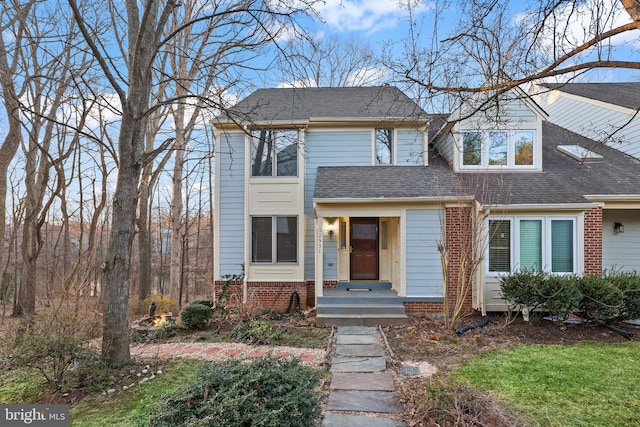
<point x="384" y="146"/>
<point x="274" y="152"/>
<point x="496" y="149"/>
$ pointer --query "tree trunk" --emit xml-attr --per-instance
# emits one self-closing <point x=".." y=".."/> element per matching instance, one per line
<point x="175" y="263"/>
<point x="117" y="267"/>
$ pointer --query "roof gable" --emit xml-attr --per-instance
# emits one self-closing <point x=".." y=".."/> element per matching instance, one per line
<point x="298" y="105"/>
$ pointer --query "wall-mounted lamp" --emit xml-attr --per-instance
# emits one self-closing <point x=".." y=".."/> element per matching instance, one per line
<point x="331" y="228"/>
<point x="618" y="227"/>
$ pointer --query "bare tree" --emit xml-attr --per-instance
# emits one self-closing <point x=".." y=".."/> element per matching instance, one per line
<point x="42" y="100"/>
<point x="330" y="62"/>
<point x="143" y="27"/>
<point x="13" y="18"/>
<point x="491" y="50"/>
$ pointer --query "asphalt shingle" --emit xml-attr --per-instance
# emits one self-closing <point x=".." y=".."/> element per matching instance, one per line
<point x="293" y="104"/>
<point x="624" y="94"/>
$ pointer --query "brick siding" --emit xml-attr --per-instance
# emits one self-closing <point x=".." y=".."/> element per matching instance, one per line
<point x="593" y="242"/>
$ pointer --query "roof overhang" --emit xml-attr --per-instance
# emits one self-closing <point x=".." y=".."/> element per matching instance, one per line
<point x="225" y="124"/>
<point x="540" y="207"/>
<point x="616" y="201"/>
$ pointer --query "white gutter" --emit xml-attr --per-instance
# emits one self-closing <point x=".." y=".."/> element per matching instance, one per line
<point x="539" y="206"/>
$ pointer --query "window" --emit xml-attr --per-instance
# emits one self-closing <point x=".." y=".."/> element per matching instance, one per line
<point x="524" y="148"/>
<point x="471" y="148"/>
<point x="384" y="146"/>
<point x="274" y="152"/>
<point x="539" y="244"/>
<point x="500" y="245"/>
<point x="498" y="149"/>
<point x="277" y="235"/>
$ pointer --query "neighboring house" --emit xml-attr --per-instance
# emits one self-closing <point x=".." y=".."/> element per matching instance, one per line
<point x="319" y="186"/>
<point x="604" y="112"/>
<point x="607" y="113"/>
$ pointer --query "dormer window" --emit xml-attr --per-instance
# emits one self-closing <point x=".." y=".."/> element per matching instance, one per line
<point x="497" y="149"/>
<point x="274" y="152"/>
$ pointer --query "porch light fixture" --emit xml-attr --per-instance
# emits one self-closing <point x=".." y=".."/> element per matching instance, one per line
<point x="331" y="226"/>
<point x="618" y="227"/>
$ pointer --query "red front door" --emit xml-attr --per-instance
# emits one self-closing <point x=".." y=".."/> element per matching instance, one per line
<point x="364" y="248"/>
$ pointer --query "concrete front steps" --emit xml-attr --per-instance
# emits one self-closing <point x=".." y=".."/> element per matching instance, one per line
<point x="360" y="304"/>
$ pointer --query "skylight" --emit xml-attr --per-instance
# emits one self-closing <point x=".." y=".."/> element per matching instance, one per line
<point x="579" y="153"/>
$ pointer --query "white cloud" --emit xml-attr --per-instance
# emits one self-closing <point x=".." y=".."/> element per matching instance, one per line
<point x="363" y="15"/>
<point x="574" y="24"/>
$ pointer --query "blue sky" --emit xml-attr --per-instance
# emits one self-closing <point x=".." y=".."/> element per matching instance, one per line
<point x="379" y="22"/>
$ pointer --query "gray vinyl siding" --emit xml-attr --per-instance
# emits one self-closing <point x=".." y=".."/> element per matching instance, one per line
<point x="513" y="110"/>
<point x="410" y="148"/>
<point x="595" y="122"/>
<point x="340" y="148"/>
<point x="445" y="147"/>
<point x="330" y="258"/>
<point x="423" y="265"/>
<point x="621" y="251"/>
<point x="230" y="161"/>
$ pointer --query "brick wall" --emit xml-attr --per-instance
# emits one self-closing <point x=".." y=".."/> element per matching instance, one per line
<point x="458" y="239"/>
<point x="593" y="242"/>
<point x="273" y="295"/>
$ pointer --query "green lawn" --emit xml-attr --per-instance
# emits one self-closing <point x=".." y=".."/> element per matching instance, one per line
<point x="553" y="385"/>
<point x="132" y="408"/>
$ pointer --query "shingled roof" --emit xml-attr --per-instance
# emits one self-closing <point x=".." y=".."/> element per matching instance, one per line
<point x="564" y="179"/>
<point x="624" y="94"/>
<point x="308" y="104"/>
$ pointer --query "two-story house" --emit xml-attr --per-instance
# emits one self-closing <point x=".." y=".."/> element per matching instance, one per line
<point x="607" y="113"/>
<point x="325" y="188"/>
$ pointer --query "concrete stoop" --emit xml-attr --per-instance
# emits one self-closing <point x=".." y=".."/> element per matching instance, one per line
<point x="361" y="393"/>
<point x="361" y="304"/>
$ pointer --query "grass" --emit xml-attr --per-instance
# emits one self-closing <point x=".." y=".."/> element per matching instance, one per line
<point x="20" y="386"/>
<point x="134" y="406"/>
<point x="587" y="384"/>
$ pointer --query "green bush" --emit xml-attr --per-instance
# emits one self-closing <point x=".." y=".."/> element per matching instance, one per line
<point x="195" y="316"/>
<point x="522" y="289"/>
<point x="601" y="298"/>
<point x="256" y="332"/>
<point x="614" y="296"/>
<point x="263" y="392"/>
<point x="629" y="285"/>
<point x="206" y="302"/>
<point x="560" y="295"/>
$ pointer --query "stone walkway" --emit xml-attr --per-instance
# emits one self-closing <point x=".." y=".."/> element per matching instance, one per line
<point x="362" y="393"/>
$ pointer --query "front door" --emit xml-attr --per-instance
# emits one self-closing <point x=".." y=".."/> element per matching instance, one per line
<point x="364" y="248"/>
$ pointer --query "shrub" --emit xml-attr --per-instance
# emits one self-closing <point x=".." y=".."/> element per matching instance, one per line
<point x="256" y="332"/>
<point x="163" y="304"/>
<point x="206" y="302"/>
<point x="601" y="298"/>
<point x="560" y="295"/>
<point x="522" y="289"/>
<point x="628" y="283"/>
<point x="262" y="392"/>
<point x="195" y="316"/>
<point x="612" y="296"/>
<point x="52" y="342"/>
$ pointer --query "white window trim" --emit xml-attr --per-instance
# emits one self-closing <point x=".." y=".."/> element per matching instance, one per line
<point x="394" y="146"/>
<point x="484" y="163"/>
<point x="514" y="229"/>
